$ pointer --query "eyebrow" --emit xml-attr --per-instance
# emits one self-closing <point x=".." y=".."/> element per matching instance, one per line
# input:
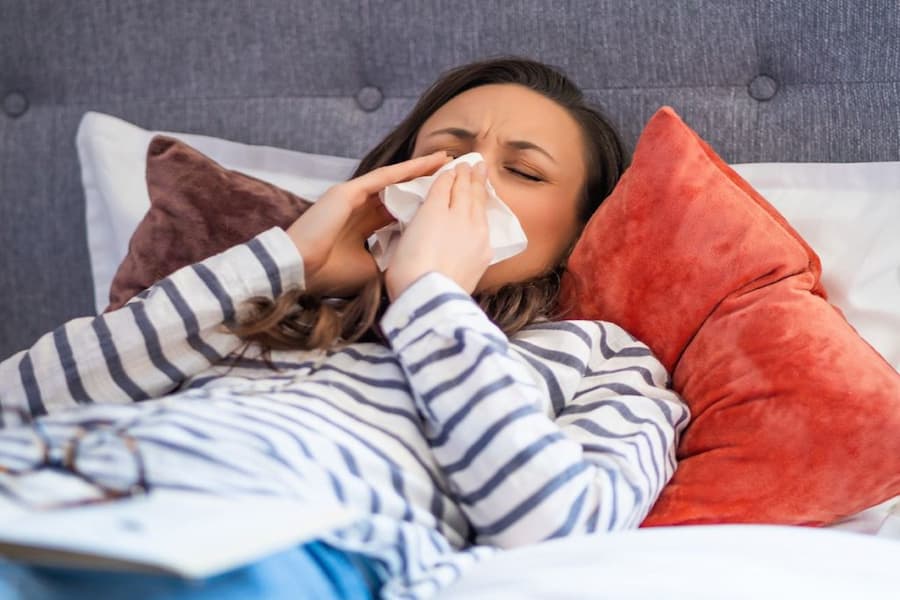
<point x="465" y="134"/>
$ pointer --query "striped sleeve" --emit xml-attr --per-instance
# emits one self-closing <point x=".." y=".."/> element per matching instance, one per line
<point x="518" y="474"/>
<point x="628" y="422"/>
<point x="146" y="348"/>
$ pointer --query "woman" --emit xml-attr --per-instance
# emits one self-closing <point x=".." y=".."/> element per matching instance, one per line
<point x="438" y="399"/>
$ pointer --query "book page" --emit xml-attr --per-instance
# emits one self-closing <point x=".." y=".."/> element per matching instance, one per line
<point x="180" y="533"/>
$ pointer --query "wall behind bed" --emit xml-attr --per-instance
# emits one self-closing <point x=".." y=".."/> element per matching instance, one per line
<point x="763" y="80"/>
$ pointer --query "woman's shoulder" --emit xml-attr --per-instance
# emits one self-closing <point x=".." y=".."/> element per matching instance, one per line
<point x="588" y="342"/>
<point x="584" y="329"/>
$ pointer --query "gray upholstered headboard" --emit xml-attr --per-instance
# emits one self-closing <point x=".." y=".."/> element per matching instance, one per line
<point x="762" y="80"/>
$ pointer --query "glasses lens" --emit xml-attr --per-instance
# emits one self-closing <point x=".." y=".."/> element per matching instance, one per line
<point x="108" y="461"/>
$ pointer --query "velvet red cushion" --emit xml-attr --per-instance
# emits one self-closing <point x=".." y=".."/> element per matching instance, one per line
<point x="795" y="418"/>
<point x="197" y="208"/>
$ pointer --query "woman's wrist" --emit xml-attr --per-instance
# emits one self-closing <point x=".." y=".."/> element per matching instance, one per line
<point x="397" y="282"/>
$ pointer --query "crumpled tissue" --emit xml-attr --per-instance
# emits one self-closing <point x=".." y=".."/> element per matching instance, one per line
<point x="403" y="200"/>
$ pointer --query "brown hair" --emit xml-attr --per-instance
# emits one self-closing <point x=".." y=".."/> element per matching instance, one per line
<point x="296" y="320"/>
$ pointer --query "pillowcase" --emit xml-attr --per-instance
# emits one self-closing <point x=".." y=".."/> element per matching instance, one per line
<point x="197" y="208"/>
<point x="113" y="155"/>
<point x="795" y="418"/>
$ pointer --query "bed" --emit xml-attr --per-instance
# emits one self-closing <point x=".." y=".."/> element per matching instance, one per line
<point x="800" y="96"/>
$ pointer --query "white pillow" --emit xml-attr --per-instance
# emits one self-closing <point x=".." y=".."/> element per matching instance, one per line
<point x="848" y="212"/>
<point x="113" y="157"/>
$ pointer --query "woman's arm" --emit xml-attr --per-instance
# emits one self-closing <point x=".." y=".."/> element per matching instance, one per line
<point x="175" y="329"/>
<point x="146" y="348"/>
<point x="520" y="476"/>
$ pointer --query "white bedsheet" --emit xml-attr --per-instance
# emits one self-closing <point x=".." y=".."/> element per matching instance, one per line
<point x="699" y="562"/>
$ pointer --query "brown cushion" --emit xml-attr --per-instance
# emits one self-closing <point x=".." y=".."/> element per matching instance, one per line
<point x="198" y="208"/>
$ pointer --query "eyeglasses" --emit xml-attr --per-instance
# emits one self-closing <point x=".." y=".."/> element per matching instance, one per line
<point x="105" y="458"/>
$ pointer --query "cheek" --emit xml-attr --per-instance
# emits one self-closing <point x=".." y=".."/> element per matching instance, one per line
<point x="546" y="219"/>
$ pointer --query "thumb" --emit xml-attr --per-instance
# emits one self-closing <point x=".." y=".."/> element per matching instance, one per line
<point x="372" y="217"/>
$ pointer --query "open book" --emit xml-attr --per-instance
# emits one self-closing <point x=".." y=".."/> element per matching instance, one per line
<point x="177" y="533"/>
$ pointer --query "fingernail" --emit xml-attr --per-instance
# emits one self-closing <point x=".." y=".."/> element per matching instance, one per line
<point x="481" y="169"/>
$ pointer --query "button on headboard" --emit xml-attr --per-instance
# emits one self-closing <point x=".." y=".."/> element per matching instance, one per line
<point x="761" y="80"/>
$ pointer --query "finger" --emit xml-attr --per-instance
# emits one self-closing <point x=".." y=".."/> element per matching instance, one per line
<point x="439" y="193"/>
<point x="460" y="196"/>
<point x="374" y="216"/>
<point x="378" y="179"/>
<point x="479" y="191"/>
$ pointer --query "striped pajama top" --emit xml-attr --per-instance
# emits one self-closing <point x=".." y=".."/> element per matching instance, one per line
<point x="453" y="441"/>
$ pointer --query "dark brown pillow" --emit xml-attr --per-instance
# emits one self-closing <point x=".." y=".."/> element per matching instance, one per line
<point x="197" y="208"/>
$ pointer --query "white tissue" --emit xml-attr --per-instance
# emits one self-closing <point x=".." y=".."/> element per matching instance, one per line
<point x="404" y="199"/>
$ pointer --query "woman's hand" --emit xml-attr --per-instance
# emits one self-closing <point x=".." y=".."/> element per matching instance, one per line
<point x="449" y="233"/>
<point x="331" y="235"/>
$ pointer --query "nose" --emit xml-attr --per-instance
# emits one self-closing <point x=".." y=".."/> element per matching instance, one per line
<point x="490" y="157"/>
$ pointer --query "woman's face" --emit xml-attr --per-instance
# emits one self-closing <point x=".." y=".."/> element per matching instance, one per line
<point x="534" y="154"/>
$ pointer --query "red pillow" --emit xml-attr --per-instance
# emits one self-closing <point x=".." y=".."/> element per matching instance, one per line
<point x="795" y="418"/>
<point x="197" y="208"/>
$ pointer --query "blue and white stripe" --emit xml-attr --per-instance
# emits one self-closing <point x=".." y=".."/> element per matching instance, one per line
<point x="453" y="441"/>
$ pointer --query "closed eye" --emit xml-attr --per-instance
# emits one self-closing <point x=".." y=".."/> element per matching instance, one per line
<point x="455" y="155"/>
<point x="525" y="175"/>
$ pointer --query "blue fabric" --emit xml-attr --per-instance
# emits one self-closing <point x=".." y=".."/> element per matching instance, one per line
<point x="311" y="571"/>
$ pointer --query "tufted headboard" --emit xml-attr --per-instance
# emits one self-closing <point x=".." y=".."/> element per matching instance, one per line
<point x="762" y="80"/>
